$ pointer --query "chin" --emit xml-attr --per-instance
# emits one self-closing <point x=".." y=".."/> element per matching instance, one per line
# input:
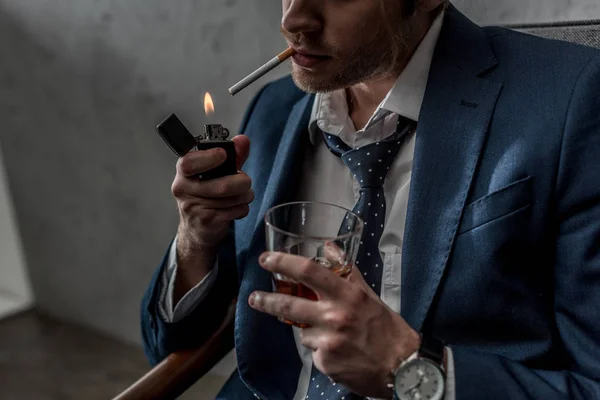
<point x="311" y="83"/>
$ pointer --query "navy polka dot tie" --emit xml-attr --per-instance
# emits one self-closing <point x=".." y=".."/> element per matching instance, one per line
<point x="369" y="165"/>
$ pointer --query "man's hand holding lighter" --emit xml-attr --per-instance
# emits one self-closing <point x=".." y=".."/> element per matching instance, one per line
<point x="206" y="209"/>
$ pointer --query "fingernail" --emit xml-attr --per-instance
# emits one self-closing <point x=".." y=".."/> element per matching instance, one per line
<point x="269" y="260"/>
<point x="254" y="297"/>
<point x="263" y="257"/>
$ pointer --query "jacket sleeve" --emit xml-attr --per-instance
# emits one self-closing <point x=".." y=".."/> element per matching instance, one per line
<point x="576" y="271"/>
<point x="161" y="338"/>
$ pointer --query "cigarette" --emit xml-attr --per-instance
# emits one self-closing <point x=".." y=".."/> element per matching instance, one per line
<point x="275" y="61"/>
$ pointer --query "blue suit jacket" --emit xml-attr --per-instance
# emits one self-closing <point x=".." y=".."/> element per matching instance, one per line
<point x="501" y="254"/>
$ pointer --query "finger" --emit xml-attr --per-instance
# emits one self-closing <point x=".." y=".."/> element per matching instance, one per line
<point x="289" y="307"/>
<point x="327" y="349"/>
<point x="188" y="188"/>
<point x="227" y="202"/>
<point x="356" y="277"/>
<point x="325" y="282"/>
<point x="242" y="149"/>
<point x="208" y="216"/>
<point x="333" y="252"/>
<point x="227" y="186"/>
<point x="197" y="162"/>
<point x="219" y="188"/>
<point x="310" y="337"/>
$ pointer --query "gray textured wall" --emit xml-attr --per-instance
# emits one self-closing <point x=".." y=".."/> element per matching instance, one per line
<point x="83" y="83"/>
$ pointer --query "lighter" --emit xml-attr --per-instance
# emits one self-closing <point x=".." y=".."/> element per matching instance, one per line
<point x="181" y="141"/>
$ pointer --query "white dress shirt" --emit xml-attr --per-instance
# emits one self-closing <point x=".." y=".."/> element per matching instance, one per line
<point x="326" y="179"/>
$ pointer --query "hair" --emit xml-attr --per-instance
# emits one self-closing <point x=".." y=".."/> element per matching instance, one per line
<point x="391" y="27"/>
<point x="407" y="9"/>
<point x="409" y="6"/>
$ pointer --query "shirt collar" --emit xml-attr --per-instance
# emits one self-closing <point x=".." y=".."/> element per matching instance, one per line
<point x="330" y="110"/>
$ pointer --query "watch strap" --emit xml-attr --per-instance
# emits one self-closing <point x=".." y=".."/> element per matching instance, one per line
<point x="432" y="349"/>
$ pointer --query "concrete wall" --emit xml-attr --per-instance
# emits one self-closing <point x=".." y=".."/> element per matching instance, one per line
<point x="82" y="85"/>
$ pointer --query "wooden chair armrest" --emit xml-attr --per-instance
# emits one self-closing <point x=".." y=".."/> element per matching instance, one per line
<point x="180" y="370"/>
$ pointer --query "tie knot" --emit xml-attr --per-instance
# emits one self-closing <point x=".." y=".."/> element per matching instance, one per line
<point x="370" y="164"/>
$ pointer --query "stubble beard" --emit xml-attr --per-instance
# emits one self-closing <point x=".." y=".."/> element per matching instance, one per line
<point x="379" y="57"/>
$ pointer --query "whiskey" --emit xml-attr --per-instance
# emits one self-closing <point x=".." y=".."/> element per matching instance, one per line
<point x="293" y="288"/>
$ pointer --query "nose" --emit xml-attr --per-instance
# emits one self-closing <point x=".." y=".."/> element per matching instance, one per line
<point x="301" y="16"/>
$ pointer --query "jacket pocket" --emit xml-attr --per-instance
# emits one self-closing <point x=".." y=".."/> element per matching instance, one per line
<point x="498" y="204"/>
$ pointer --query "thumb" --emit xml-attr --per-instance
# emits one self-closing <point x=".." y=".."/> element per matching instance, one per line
<point x="356" y="277"/>
<point x="242" y="149"/>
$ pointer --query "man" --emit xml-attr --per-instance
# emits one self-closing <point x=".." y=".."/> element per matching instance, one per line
<point x="491" y="241"/>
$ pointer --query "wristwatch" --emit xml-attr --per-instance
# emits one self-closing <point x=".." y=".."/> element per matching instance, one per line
<point x="422" y="375"/>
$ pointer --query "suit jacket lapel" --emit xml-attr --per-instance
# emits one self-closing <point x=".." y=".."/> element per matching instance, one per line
<point x="268" y="360"/>
<point x="285" y="167"/>
<point x="454" y="119"/>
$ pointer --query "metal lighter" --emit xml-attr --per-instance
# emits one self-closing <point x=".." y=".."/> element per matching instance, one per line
<point x="179" y="139"/>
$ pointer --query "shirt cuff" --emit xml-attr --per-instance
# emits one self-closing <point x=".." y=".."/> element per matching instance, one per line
<point x="185" y="306"/>
<point x="450" y="393"/>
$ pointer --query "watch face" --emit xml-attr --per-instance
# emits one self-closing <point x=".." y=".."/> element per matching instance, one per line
<point x="420" y="379"/>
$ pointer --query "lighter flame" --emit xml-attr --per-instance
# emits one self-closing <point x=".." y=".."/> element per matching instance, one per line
<point x="209" y="107"/>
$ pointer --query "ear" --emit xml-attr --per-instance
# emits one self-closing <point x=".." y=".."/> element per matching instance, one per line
<point x="427" y="6"/>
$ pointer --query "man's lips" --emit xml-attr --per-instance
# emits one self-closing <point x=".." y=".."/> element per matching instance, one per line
<point x="308" y="52"/>
<point x="307" y="59"/>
